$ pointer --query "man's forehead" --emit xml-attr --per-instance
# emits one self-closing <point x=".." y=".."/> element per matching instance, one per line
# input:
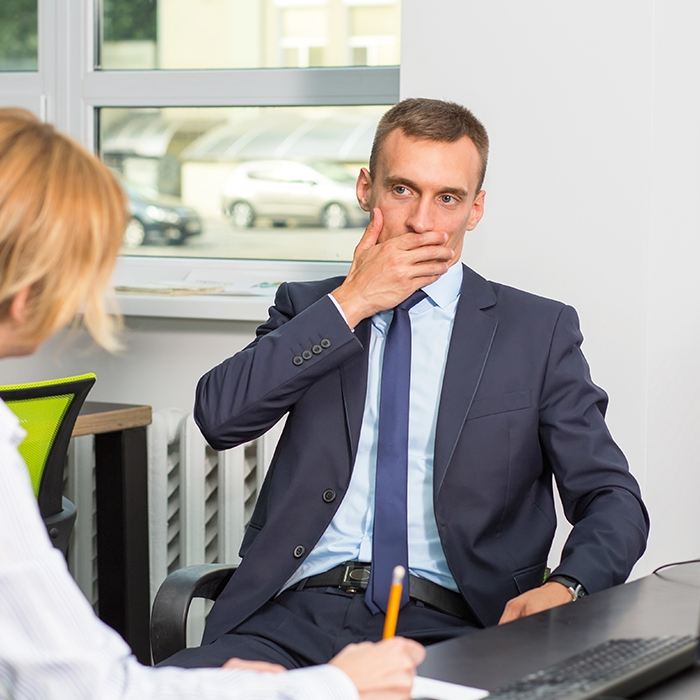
<point x="446" y="164"/>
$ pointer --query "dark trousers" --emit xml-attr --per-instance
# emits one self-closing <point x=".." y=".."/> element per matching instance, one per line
<point x="308" y="627"/>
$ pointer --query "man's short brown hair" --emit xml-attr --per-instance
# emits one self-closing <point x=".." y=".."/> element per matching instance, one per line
<point x="434" y="120"/>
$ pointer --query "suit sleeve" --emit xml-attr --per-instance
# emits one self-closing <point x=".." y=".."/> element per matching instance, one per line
<point x="600" y="497"/>
<point x="249" y="392"/>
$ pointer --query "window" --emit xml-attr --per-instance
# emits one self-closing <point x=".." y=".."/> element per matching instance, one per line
<point x="204" y="108"/>
<point x="18" y="35"/>
<point x="241" y="182"/>
<point x="21" y="83"/>
<point x="197" y="101"/>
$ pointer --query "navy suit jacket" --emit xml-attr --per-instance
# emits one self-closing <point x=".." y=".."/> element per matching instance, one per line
<point x="517" y="407"/>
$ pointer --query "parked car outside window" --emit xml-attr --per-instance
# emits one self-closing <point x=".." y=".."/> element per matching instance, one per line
<point x="158" y="218"/>
<point x="289" y="192"/>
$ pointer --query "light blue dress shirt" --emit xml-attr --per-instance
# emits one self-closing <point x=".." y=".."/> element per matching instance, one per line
<point x="349" y="535"/>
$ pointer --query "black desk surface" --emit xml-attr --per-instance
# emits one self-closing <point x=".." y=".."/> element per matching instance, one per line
<point x="662" y="604"/>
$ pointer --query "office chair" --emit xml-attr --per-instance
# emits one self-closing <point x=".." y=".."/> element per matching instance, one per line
<point x="47" y="411"/>
<point x="172" y="603"/>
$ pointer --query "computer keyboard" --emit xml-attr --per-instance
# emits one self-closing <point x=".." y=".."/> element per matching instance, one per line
<point x="617" y="667"/>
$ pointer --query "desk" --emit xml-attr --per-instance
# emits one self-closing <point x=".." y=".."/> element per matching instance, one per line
<point x="668" y="603"/>
<point x="121" y="485"/>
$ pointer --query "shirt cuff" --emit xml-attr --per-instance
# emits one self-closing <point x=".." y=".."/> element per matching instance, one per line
<point x="326" y="682"/>
<point x="340" y="310"/>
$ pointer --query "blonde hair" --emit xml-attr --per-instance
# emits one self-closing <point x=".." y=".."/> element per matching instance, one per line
<point x="62" y="218"/>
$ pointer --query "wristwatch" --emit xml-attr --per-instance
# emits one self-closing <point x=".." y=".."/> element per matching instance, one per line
<point x="575" y="588"/>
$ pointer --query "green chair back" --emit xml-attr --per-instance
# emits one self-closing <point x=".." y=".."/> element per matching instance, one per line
<point x="47" y="411"/>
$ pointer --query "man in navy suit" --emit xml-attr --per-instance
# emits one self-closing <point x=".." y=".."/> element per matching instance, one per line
<point x="500" y="401"/>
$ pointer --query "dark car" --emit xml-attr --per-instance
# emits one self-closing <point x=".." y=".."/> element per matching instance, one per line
<point x="158" y="218"/>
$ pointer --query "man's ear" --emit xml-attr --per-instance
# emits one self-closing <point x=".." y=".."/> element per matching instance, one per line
<point x="477" y="210"/>
<point x="363" y="188"/>
<point x="18" y="306"/>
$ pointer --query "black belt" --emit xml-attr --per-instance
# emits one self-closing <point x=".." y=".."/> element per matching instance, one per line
<point x="352" y="577"/>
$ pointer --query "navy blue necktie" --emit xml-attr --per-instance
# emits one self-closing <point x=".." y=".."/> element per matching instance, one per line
<point x="390" y="533"/>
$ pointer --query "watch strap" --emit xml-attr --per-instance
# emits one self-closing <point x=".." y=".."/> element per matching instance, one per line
<point x="575" y="587"/>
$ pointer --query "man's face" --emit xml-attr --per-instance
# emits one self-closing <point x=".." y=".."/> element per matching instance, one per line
<point x="423" y="186"/>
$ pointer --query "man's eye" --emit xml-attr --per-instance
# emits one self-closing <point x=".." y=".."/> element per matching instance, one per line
<point x="447" y="199"/>
<point x="400" y="189"/>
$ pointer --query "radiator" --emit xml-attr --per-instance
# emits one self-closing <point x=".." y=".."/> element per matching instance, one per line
<point x="199" y="501"/>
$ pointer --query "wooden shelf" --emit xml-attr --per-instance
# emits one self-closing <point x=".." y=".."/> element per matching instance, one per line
<point x="97" y="417"/>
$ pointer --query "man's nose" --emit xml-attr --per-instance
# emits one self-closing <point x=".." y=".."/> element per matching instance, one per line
<point x="421" y="218"/>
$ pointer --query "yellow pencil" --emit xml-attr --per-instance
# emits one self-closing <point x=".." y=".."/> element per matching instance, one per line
<point x="392" y="607"/>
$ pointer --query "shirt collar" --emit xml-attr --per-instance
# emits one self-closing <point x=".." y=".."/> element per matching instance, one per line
<point x="440" y="293"/>
<point x="447" y="287"/>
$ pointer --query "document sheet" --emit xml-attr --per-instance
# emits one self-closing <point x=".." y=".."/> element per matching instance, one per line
<point x="429" y="689"/>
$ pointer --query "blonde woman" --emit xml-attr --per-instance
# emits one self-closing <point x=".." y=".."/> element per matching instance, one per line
<point x="62" y="215"/>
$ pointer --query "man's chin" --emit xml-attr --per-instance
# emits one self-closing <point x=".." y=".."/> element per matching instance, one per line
<point x="457" y="257"/>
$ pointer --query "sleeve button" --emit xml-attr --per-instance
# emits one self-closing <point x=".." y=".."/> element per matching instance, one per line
<point x="297" y="360"/>
<point x="325" y="343"/>
<point x="299" y="551"/>
<point x="307" y="354"/>
<point x="328" y="495"/>
<point x="317" y="349"/>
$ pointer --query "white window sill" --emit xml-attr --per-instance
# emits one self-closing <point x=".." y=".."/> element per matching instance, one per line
<point x="230" y="290"/>
<point x="200" y="307"/>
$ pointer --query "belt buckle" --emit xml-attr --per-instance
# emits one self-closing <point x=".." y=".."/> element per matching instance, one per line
<point x="355" y="578"/>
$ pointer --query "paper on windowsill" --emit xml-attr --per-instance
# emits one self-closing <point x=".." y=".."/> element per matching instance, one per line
<point x="429" y="689"/>
<point x="190" y="288"/>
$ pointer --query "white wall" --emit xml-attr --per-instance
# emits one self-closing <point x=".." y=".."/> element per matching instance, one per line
<point x="673" y="300"/>
<point x="160" y="365"/>
<point x="594" y="114"/>
<point x="592" y="192"/>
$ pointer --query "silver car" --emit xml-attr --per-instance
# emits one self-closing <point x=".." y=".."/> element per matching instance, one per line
<point x="286" y="191"/>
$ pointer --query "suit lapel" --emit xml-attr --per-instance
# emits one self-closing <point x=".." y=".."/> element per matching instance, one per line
<point x="472" y="336"/>
<point x="353" y="378"/>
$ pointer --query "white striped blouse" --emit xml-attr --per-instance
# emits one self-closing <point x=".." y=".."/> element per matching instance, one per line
<point x="52" y="646"/>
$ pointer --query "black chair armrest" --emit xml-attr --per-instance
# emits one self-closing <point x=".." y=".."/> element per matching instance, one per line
<point x="172" y="603"/>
